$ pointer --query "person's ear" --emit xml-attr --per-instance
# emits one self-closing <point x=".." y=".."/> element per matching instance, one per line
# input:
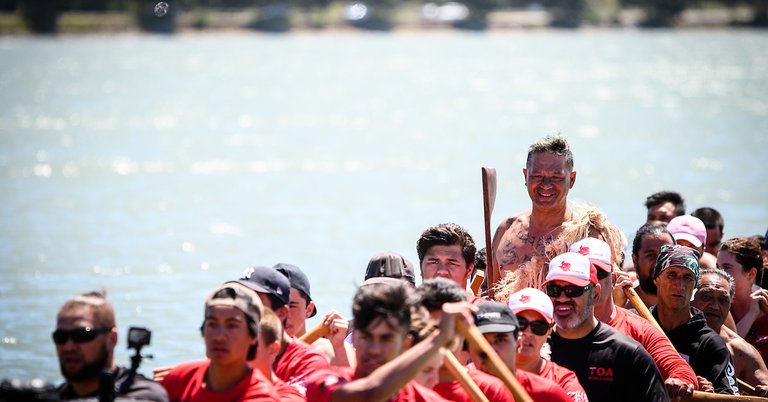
<point x="597" y="293"/>
<point x="573" y="179"/>
<point x="525" y="176"/>
<point x="752" y="273"/>
<point x="112" y="338"/>
<point x="310" y="307"/>
<point x="470" y="268"/>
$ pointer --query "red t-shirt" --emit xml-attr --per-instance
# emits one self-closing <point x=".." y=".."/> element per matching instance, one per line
<point x="758" y="336"/>
<point x="322" y="384"/>
<point x="540" y="389"/>
<point x="186" y="383"/>
<point x="667" y="359"/>
<point x="566" y="379"/>
<point x="299" y="360"/>
<point x="287" y="393"/>
<point x="492" y="388"/>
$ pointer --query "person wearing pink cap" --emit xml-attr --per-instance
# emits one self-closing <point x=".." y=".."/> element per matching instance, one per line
<point x="606" y="362"/>
<point x="534" y="316"/>
<point x="690" y="231"/>
<point x="678" y="376"/>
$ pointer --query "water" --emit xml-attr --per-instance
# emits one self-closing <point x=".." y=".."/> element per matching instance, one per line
<point x="159" y="167"/>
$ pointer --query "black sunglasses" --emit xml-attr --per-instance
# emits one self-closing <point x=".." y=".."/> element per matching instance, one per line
<point x="80" y="335"/>
<point x="570" y="290"/>
<point x="538" y="327"/>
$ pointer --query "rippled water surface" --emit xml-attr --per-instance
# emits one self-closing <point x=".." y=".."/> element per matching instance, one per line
<point x="158" y="167"/>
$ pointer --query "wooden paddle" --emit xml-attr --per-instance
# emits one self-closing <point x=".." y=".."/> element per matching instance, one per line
<point x="643" y="311"/>
<point x="707" y="396"/>
<point x="459" y="372"/>
<point x="489" y="199"/>
<point x="315" y="333"/>
<point x="477" y="340"/>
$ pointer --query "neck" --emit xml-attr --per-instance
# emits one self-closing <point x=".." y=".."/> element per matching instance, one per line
<point x="221" y="378"/>
<point x="445" y="376"/>
<point x="605" y="311"/>
<point x="301" y="331"/>
<point x="86" y="387"/>
<point x="647" y="298"/>
<point x="740" y="306"/>
<point x="670" y="318"/>
<point x="531" y="364"/>
<point x="579" y="332"/>
<point x="549" y="218"/>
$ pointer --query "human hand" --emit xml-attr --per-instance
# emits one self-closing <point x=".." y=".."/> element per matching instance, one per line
<point x="338" y="327"/>
<point x="159" y="373"/>
<point x="705" y="385"/>
<point x="678" y="389"/>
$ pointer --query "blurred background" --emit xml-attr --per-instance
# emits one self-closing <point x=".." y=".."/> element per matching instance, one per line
<point x="158" y="165"/>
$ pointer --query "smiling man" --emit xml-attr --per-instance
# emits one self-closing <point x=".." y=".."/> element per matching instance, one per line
<point x="676" y="274"/>
<point x="548" y="176"/>
<point x="85" y="339"/>
<point x="607" y="362"/>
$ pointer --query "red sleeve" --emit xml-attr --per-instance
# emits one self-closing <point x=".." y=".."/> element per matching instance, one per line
<point x="322" y="384"/>
<point x="299" y="361"/>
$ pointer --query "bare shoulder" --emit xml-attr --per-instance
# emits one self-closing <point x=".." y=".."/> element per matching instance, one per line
<point x="518" y="220"/>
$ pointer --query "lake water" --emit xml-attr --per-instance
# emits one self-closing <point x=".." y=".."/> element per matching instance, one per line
<point x="159" y="167"/>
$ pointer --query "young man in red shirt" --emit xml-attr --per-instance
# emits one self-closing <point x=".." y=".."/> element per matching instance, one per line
<point x="448" y="251"/>
<point x="385" y="369"/>
<point x="230" y="329"/>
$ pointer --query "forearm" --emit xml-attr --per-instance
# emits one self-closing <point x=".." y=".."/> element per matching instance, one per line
<point x="390" y="378"/>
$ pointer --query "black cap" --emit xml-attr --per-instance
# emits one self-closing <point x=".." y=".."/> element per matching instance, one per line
<point x="298" y="280"/>
<point x="391" y="265"/>
<point x="267" y="280"/>
<point x="495" y="317"/>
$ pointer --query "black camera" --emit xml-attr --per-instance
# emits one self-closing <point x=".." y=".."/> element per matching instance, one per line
<point x="138" y="337"/>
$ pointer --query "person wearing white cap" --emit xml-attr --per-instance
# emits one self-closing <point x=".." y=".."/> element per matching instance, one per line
<point x="678" y="376"/>
<point x="690" y="231"/>
<point x="607" y="362"/>
<point x="534" y="316"/>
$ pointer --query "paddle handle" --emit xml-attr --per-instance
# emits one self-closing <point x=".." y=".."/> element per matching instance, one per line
<point x="489" y="199"/>
<point x="459" y="372"/>
<point x="707" y="396"/>
<point x="476" y="339"/>
<point x="638" y="304"/>
<point x="477" y="281"/>
<point x="315" y="333"/>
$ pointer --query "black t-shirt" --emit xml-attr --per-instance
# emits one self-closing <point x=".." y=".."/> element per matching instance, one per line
<point x="704" y="350"/>
<point x="610" y="366"/>
<point x="141" y="389"/>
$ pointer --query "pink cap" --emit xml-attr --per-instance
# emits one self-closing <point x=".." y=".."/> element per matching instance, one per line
<point x="690" y="228"/>
<point x="597" y="251"/>
<point x="573" y="268"/>
<point x="534" y="300"/>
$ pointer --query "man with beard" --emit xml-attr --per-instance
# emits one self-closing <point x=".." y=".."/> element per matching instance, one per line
<point x="645" y="249"/>
<point x="85" y="339"/>
<point x="548" y="175"/>
<point x="607" y="363"/>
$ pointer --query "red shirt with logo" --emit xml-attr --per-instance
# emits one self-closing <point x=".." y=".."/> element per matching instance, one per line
<point x="566" y="379"/>
<point x="297" y="362"/>
<point x="287" y="393"/>
<point x="322" y="384"/>
<point x="186" y="383"/>
<point x="668" y="360"/>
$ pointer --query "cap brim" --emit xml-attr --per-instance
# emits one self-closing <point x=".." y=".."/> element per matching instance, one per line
<point x="535" y="310"/>
<point x="253" y="286"/>
<point x="689" y="238"/>
<point x="569" y="279"/>
<point x="600" y="265"/>
<point x="492" y="328"/>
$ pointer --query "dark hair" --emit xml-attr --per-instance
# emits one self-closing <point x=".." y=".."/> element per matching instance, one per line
<point x="422" y="325"/>
<point x="648" y="229"/>
<point x="435" y="292"/>
<point x="270" y="326"/>
<point x="760" y="239"/>
<point x="446" y="234"/>
<point x="747" y="252"/>
<point x="667" y="196"/>
<point x="481" y="259"/>
<point x="383" y="301"/>
<point x="103" y="312"/>
<point x="554" y="144"/>
<point x="711" y="218"/>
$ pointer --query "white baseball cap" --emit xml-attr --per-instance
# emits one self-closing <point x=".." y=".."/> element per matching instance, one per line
<point x="573" y="268"/>
<point x="534" y="300"/>
<point x="597" y="251"/>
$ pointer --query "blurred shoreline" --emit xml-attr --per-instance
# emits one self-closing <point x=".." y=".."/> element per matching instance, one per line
<point x="407" y="18"/>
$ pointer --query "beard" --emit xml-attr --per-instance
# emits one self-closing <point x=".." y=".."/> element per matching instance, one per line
<point x="88" y="370"/>
<point x="578" y="319"/>
<point x="647" y="285"/>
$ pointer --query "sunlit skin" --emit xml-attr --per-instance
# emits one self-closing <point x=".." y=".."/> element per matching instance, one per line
<point x="714" y="237"/>
<point x="379" y="343"/>
<point x="298" y="311"/>
<point x="713" y="299"/>
<point x="574" y="315"/>
<point x="447" y="262"/>
<point x="675" y="287"/>
<point x="529" y="344"/>
<point x="429" y="375"/>
<point x="74" y="358"/>
<point x="548" y="180"/>
<point x="505" y="345"/>
<point x="661" y="213"/>
<point x="227" y="339"/>
<point x="743" y="281"/>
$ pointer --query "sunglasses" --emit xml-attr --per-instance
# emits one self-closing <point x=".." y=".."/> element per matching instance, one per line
<point x="570" y="290"/>
<point x="80" y="335"/>
<point x="538" y="327"/>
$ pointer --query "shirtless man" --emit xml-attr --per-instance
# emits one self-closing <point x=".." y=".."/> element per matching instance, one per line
<point x="548" y="175"/>
<point x="713" y="297"/>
